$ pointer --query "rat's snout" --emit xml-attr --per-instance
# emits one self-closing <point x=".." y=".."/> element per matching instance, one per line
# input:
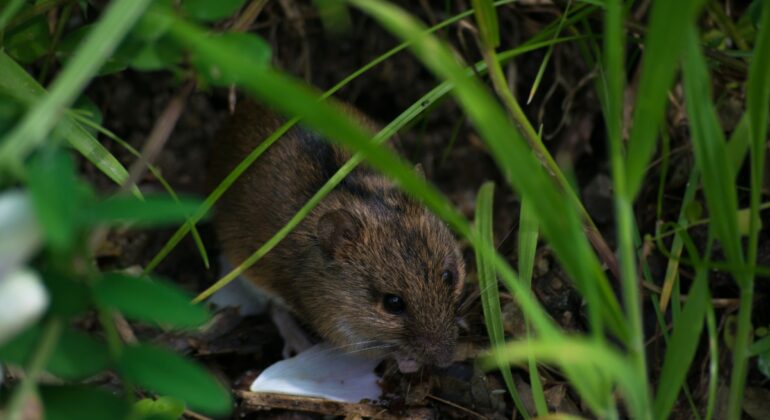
<point x="438" y="351"/>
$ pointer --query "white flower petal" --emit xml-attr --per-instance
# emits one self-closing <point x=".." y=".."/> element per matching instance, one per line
<point x="23" y="299"/>
<point x="322" y="371"/>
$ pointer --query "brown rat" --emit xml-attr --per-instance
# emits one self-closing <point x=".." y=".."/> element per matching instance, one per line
<point x="370" y="269"/>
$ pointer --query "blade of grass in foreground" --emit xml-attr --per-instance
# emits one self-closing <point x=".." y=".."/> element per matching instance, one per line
<point x="684" y="341"/>
<point x="721" y="197"/>
<point x="490" y="297"/>
<point x="614" y="75"/>
<point x="758" y="100"/>
<point x="17" y="83"/>
<point x="32" y="130"/>
<point x="528" y="233"/>
<point x="663" y="45"/>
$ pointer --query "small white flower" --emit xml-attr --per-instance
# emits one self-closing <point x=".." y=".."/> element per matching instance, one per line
<point x="23" y="299"/>
<point x="20" y="235"/>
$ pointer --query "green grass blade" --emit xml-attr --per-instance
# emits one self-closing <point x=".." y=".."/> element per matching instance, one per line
<point x="710" y="150"/>
<point x="757" y="102"/>
<point x="486" y="18"/>
<point x="33" y="129"/>
<point x="9" y="10"/>
<point x="592" y="357"/>
<point x="669" y="21"/>
<point x="614" y="74"/>
<point x="156" y="173"/>
<point x="17" y="83"/>
<point x="548" y="52"/>
<point x="682" y="345"/>
<point x="490" y="298"/>
<point x="528" y="233"/>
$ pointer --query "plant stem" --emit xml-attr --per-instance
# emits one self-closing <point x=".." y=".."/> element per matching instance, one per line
<point x="45" y="348"/>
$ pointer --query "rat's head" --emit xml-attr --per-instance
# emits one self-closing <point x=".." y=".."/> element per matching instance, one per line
<point x="395" y="274"/>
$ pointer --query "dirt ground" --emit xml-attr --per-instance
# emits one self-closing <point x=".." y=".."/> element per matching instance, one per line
<point x="565" y="105"/>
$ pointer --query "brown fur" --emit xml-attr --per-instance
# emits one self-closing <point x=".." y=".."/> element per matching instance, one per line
<point x="334" y="275"/>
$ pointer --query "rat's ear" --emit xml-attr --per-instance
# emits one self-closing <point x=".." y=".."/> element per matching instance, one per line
<point x="336" y="228"/>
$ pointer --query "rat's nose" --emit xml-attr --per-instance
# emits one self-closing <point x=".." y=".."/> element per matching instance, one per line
<point x="438" y="352"/>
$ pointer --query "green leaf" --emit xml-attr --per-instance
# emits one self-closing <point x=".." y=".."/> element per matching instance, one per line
<point x="168" y="373"/>
<point x="760" y="346"/>
<point x="682" y="345"/>
<point x="53" y="188"/>
<point x="163" y="408"/>
<point x="158" y="55"/>
<point x="77" y="402"/>
<point x="710" y="150"/>
<point x="77" y="355"/>
<point x="211" y="10"/>
<point x="30" y="41"/>
<point x="148" y="300"/>
<point x="665" y="41"/>
<point x="152" y="211"/>
<point x="763" y="364"/>
<point x="249" y="45"/>
<point x="486" y="18"/>
<point x="69" y="297"/>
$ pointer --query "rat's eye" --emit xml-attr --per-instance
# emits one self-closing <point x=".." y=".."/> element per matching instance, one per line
<point x="393" y="304"/>
<point x="448" y="277"/>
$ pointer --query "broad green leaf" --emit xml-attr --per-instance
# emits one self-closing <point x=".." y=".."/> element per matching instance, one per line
<point x="53" y="187"/>
<point x="152" y="211"/>
<point x="77" y="355"/>
<point x="664" y="43"/>
<point x="760" y="346"/>
<point x="210" y="10"/>
<point x="69" y="297"/>
<point x="335" y="16"/>
<point x="248" y="44"/>
<point x="164" y="407"/>
<point x="78" y="402"/>
<point x="29" y="41"/>
<point x="158" y="55"/>
<point x="167" y="373"/>
<point x="17" y="83"/>
<point x="149" y="300"/>
<point x="763" y="364"/>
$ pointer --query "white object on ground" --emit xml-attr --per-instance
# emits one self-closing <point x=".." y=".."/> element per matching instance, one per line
<point x="20" y="235"/>
<point x="322" y="371"/>
<point x="23" y="299"/>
